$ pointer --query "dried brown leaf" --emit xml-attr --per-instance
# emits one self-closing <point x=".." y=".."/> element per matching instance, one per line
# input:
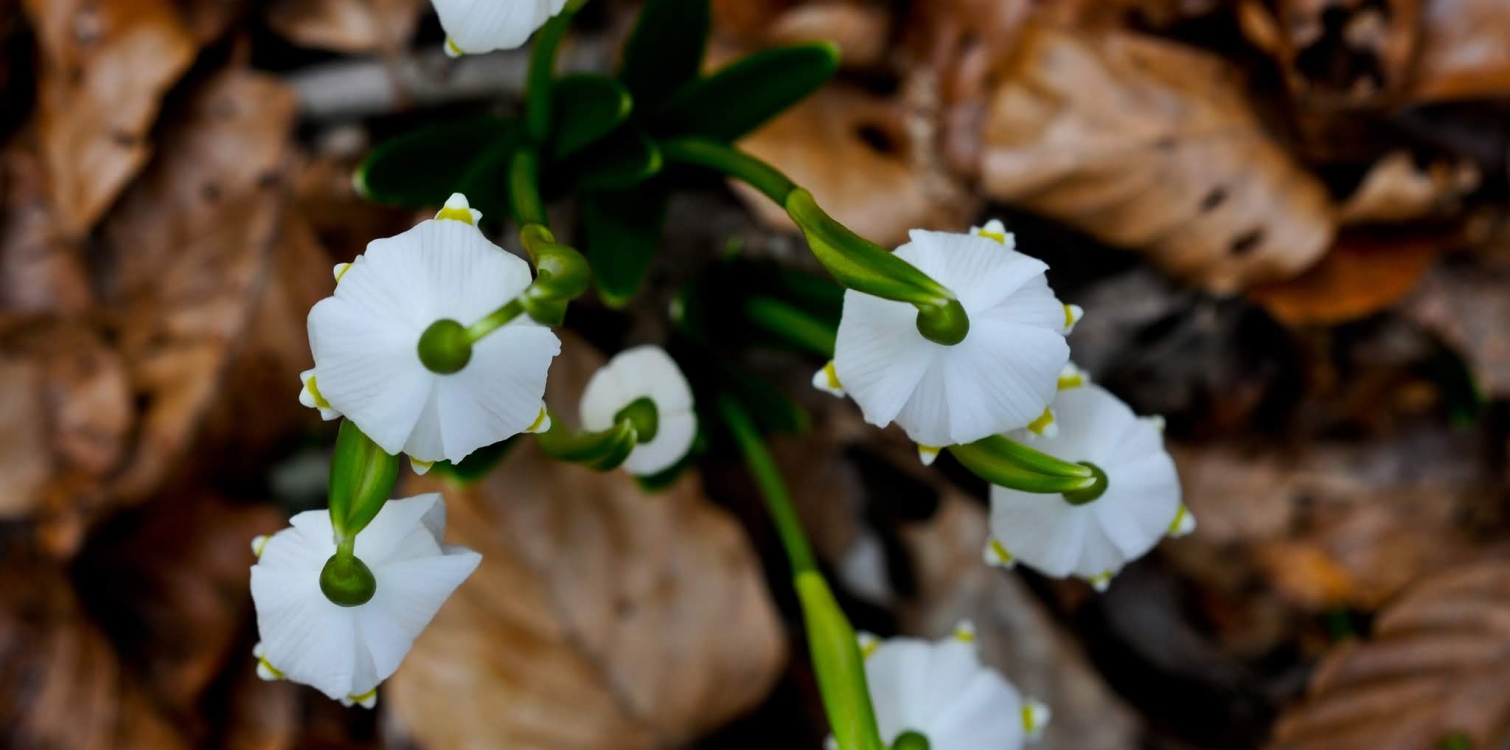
<point x="105" y="65"/>
<point x="1465" y="50"/>
<point x="40" y="272"/>
<point x="61" y="685"/>
<point x="1152" y="146"/>
<point x="67" y="411"/>
<point x="1396" y="191"/>
<point x="1360" y="276"/>
<point x="602" y="616"/>
<point x="350" y="26"/>
<point x="1436" y="666"/>
<point x="1467" y="306"/>
<point x="190" y="248"/>
<point x="856" y="153"/>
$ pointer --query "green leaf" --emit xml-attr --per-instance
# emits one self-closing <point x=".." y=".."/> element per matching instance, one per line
<point x="622" y="230"/>
<point x="665" y="50"/>
<point x="485" y="183"/>
<point x="743" y="96"/>
<point x="770" y="407"/>
<point x="619" y="162"/>
<point x="423" y="168"/>
<point x="587" y="107"/>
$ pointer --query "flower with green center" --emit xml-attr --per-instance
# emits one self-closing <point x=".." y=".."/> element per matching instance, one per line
<point x="1000" y="377"/>
<point x="1093" y="534"/>
<point x="393" y="355"/>
<point x="939" y="696"/>
<point x="342" y="621"/>
<point x="644" y="386"/>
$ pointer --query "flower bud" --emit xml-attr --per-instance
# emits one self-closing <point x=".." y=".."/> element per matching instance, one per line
<point x="362" y="476"/>
<point x="945" y="324"/>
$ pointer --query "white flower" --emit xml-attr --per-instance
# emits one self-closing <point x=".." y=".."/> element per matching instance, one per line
<point x="1000" y="378"/>
<point x="310" y="396"/>
<point x="478" y="26"/>
<point x="648" y="373"/>
<point x="1093" y="540"/>
<point x="942" y="691"/>
<point x="365" y="340"/>
<point x="345" y="652"/>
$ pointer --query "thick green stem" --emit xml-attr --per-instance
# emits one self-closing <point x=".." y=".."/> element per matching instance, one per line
<point x="524" y="188"/>
<point x="791" y="324"/>
<point x="852" y="260"/>
<point x="1005" y="462"/>
<point x="600" y="450"/>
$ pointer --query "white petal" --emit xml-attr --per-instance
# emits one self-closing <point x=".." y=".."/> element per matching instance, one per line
<point x="638" y="372"/>
<point x="979" y="270"/>
<point x="985" y="713"/>
<point x="673" y="438"/>
<point x="370" y="369"/>
<point x="827" y="380"/>
<point x="478" y="26"/>
<point x="409" y="594"/>
<point x="304" y="636"/>
<point x="879" y="355"/>
<point x="400" y="532"/>
<point x="895" y="672"/>
<point x="497" y="395"/>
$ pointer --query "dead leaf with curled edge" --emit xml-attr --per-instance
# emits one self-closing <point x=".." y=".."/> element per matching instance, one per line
<point x="189" y="249"/>
<point x="105" y="65"/>
<point x="1151" y="145"/>
<point x="1361" y="275"/>
<point x="350" y="26"/>
<point x="1396" y="191"/>
<point x="1436" y="666"/>
<point x="65" y="401"/>
<point x="1468" y="306"/>
<point x="601" y="616"/>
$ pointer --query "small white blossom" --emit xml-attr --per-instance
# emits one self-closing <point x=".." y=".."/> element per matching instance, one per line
<point x="1001" y="377"/>
<point x="345" y="652"/>
<point x="1094" y="540"/>
<point x="365" y="340"/>
<point x="477" y="26"/>
<point x="644" y="372"/>
<point x="942" y="691"/>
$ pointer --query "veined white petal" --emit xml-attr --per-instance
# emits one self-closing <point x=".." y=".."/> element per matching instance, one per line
<point x="942" y="691"/>
<point x="478" y="26"/>
<point x="879" y="355"/>
<point x="399" y="532"/>
<point x="304" y="635"/>
<point x="409" y="594"/>
<point x="673" y="438"/>
<point x="370" y="369"/>
<point x="979" y="270"/>
<point x="497" y="395"/>
<point x="827" y="380"/>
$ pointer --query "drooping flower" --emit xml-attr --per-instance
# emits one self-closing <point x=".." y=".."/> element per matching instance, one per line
<point x="1093" y="537"/>
<point x="346" y="651"/>
<point x="477" y="26"/>
<point x="365" y="339"/>
<point x="643" y="384"/>
<point x="1001" y="377"/>
<point x="941" y="691"/>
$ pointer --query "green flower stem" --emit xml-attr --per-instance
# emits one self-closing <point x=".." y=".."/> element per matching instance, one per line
<point x="999" y="461"/>
<point x="791" y="324"/>
<point x="772" y="488"/>
<point x="561" y="273"/>
<point x="495" y="320"/>
<point x="362" y="476"/>
<point x="541" y="79"/>
<point x="604" y="451"/>
<point x="524" y="188"/>
<point x="831" y="639"/>
<point x="852" y="260"/>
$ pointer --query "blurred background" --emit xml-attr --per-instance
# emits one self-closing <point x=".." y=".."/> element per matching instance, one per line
<point x="1288" y="222"/>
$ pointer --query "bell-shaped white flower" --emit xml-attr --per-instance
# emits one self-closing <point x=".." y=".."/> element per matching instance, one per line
<point x="1001" y="377"/>
<point x="477" y="26"/>
<point x="942" y="691"/>
<point x="1093" y="538"/>
<point x="645" y="376"/>
<point x="345" y="652"/>
<point x="365" y="340"/>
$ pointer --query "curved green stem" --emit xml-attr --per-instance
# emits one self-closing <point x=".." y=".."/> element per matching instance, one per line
<point x="524" y="188"/>
<point x="1005" y="462"/>
<point x="772" y="489"/>
<point x="853" y="261"/>
<point x="791" y="324"/>
<point x="603" y="451"/>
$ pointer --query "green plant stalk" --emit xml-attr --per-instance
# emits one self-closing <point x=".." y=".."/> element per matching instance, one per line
<point x="831" y="638"/>
<point x="541" y="79"/>
<point x="791" y="324"/>
<point x="852" y="260"/>
<point x="362" y="476"/>
<point x="984" y="459"/>
<point x="604" y="451"/>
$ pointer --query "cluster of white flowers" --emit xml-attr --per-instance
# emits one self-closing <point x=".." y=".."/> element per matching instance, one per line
<point x="1011" y="376"/>
<point x="942" y="692"/>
